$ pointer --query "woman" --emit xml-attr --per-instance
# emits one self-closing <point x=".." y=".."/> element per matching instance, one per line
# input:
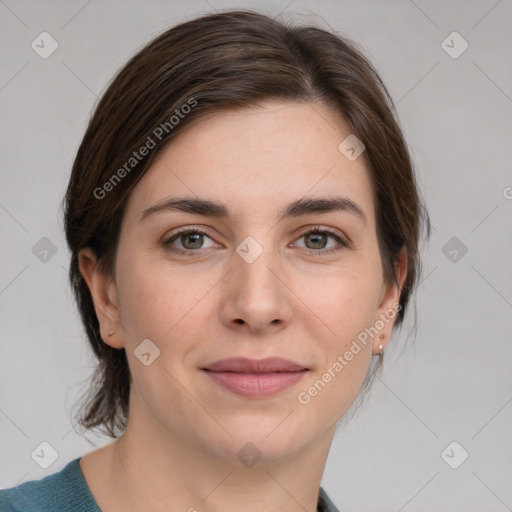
<point x="244" y="221"/>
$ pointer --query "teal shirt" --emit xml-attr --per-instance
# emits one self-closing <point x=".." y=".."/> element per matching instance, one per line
<point x="67" y="491"/>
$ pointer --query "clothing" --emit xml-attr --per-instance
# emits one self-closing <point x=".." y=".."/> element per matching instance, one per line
<point x="324" y="502"/>
<point x="67" y="491"/>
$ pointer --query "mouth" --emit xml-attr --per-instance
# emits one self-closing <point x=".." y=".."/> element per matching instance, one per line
<point x="253" y="378"/>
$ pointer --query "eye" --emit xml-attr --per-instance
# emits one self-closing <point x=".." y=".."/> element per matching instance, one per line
<point x="190" y="239"/>
<point x="316" y="240"/>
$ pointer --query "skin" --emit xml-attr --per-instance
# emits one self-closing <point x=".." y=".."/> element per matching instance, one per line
<point x="184" y="431"/>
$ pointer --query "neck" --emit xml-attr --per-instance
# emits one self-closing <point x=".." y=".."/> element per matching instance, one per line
<point x="149" y="469"/>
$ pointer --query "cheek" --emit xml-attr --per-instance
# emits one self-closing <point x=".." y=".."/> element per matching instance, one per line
<point x="154" y="301"/>
<point x="166" y="309"/>
<point x="347" y="305"/>
<point x="345" y="302"/>
<point x="345" y="355"/>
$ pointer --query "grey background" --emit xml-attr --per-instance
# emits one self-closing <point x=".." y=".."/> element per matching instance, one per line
<point x="452" y="383"/>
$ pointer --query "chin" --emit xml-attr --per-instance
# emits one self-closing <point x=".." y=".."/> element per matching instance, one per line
<point x="261" y="440"/>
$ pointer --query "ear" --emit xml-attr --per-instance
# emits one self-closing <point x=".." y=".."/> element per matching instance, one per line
<point x="388" y="303"/>
<point x="104" y="295"/>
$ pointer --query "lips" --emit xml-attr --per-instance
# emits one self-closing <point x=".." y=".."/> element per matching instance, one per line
<point x="253" y="378"/>
<point x="243" y="365"/>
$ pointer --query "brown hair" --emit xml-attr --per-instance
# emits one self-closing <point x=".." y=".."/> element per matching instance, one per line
<point x="212" y="63"/>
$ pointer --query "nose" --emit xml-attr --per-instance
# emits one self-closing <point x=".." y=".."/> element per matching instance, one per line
<point x="256" y="297"/>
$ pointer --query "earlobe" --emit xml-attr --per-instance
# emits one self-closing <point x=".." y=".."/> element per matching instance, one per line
<point x="104" y="295"/>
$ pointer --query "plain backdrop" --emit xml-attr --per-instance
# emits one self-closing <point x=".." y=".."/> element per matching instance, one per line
<point x="452" y="382"/>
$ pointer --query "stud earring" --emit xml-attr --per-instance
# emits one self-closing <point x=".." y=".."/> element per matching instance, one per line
<point x="110" y="334"/>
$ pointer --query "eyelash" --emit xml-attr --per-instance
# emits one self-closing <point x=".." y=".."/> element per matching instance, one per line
<point x="343" y="242"/>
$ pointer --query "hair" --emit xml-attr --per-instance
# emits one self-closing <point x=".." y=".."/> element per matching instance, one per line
<point x="227" y="60"/>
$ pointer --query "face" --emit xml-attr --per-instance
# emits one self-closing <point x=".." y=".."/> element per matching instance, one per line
<point x="264" y="274"/>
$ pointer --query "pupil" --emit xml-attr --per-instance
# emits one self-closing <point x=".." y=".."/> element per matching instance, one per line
<point x="315" y="239"/>
<point x="197" y="237"/>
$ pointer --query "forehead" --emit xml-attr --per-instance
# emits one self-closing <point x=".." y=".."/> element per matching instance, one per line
<point x="257" y="160"/>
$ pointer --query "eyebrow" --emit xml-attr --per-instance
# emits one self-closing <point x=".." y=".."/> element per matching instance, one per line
<point x="304" y="206"/>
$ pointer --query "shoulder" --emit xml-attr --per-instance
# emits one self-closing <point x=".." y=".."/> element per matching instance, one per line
<point x="59" y="492"/>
